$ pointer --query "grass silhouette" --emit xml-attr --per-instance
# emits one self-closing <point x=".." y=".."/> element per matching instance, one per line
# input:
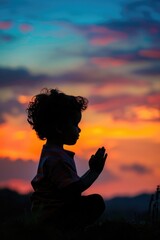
<point x="24" y="228"/>
<point x="16" y="223"/>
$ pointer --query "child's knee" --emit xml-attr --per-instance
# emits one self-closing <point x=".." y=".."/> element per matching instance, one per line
<point x="99" y="202"/>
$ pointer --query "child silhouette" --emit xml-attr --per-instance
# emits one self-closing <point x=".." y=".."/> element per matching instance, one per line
<point x="57" y="197"/>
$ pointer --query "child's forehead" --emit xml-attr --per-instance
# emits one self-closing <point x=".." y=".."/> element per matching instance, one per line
<point x="77" y="115"/>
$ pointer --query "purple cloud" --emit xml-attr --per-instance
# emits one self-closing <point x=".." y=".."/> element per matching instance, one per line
<point x="5" y="37"/>
<point x="4" y="25"/>
<point x="17" y="169"/>
<point x="26" y="170"/>
<point x="118" y="105"/>
<point x="118" y="102"/>
<point x="23" y="81"/>
<point x="134" y="55"/>
<point x="136" y="168"/>
<point x="19" y="77"/>
<point x="12" y="107"/>
<point x="153" y="70"/>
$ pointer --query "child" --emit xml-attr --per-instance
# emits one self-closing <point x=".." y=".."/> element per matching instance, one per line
<point x="57" y="196"/>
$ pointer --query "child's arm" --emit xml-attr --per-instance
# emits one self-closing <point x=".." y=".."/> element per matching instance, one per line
<point x="97" y="161"/>
<point x="96" y="164"/>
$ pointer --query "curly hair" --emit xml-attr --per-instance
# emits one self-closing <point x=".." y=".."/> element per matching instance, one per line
<point x="50" y="108"/>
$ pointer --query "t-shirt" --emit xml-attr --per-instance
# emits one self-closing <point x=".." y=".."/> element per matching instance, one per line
<point x="56" y="170"/>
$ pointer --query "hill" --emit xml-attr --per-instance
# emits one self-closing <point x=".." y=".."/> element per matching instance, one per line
<point x="128" y="208"/>
<point x="125" y="218"/>
<point x="13" y="204"/>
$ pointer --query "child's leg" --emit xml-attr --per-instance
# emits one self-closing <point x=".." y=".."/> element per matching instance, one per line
<point x="91" y="208"/>
<point x="82" y="212"/>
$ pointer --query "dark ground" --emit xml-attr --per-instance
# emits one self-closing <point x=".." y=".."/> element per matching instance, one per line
<point x="20" y="229"/>
<point x="16" y="222"/>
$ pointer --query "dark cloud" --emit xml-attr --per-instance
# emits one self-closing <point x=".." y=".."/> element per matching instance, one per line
<point x="18" y="169"/>
<point x="153" y="70"/>
<point x="5" y="37"/>
<point x="136" y="26"/>
<point x="19" y="77"/>
<point x="132" y="55"/>
<point x="12" y="107"/>
<point x="26" y="170"/>
<point x="136" y="168"/>
<point x="22" y="80"/>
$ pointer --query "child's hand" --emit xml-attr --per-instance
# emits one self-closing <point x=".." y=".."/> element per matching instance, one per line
<point x="97" y="161"/>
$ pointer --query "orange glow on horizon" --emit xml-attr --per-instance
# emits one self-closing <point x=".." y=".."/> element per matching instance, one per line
<point x="23" y="142"/>
<point x="125" y="142"/>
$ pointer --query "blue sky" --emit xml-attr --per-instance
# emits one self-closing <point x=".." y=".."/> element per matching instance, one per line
<point x="35" y="33"/>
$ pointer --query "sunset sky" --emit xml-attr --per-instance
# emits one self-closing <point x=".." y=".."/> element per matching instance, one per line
<point x="106" y="51"/>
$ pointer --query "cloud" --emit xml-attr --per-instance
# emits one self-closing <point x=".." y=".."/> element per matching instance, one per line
<point x="19" y="169"/>
<point x="135" y="26"/>
<point x="107" y="62"/>
<point x="153" y="70"/>
<point x="12" y="107"/>
<point x="114" y="103"/>
<point x="139" y="20"/>
<point x="132" y="55"/>
<point x="5" y="37"/>
<point x="22" y="79"/>
<point x="150" y="53"/>
<point x="25" y="27"/>
<point x="126" y="106"/>
<point x="117" y="102"/>
<point x="96" y="34"/>
<point x="136" y="168"/>
<point x="4" y="25"/>
<point x="10" y="77"/>
<point x="102" y="36"/>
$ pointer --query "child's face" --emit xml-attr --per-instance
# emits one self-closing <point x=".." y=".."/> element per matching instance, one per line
<point x="71" y="130"/>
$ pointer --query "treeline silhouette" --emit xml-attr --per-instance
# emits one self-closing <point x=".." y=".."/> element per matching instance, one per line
<point x="125" y="218"/>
